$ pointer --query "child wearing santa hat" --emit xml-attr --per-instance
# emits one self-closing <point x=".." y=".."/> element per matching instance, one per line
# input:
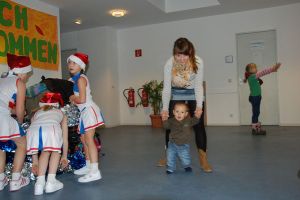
<point x="48" y="133"/>
<point x="12" y="101"/>
<point x="90" y="116"/>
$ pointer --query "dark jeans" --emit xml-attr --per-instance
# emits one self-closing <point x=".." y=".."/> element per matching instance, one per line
<point x="199" y="129"/>
<point x="255" y="102"/>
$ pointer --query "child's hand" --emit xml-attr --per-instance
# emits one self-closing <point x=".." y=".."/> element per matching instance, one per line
<point x="35" y="168"/>
<point x="72" y="98"/>
<point x="276" y="66"/>
<point x="35" y="164"/>
<point x="64" y="162"/>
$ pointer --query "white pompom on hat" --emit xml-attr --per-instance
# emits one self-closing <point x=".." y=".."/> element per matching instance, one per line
<point x="79" y="58"/>
<point x="19" y="64"/>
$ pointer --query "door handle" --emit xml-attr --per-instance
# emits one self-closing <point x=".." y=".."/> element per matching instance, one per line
<point x="241" y="81"/>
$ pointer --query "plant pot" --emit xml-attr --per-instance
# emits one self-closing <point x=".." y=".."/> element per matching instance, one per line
<point x="156" y="121"/>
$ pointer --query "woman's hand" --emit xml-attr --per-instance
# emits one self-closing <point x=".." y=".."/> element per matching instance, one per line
<point x="164" y="115"/>
<point x="198" y="112"/>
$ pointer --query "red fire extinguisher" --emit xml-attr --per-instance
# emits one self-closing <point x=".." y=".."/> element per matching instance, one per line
<point x="130" y="96"/>
<point x="144" y="97"/>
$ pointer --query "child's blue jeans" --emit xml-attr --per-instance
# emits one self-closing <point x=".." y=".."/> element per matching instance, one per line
<point x="255" y="102"/>
<point x="182" y="151"/>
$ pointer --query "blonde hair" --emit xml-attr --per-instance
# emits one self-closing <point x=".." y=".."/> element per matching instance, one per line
<point x="182" y="104"/>
<point x="249" y="66"/>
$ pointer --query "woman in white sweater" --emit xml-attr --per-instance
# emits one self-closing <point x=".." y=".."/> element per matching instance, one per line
<point x="183" y="81"/>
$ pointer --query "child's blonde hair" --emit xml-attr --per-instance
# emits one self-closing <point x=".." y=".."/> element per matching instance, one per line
<point x="249" y="66"/>
<point x="48" y="107"/>
<point x="182" y="104"/>
<point x="248" y="73"/>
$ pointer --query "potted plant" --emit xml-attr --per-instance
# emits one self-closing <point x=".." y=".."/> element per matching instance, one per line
<point x="154" y="90"/>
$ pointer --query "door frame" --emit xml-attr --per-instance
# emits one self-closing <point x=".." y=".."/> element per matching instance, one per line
<point x="237" y="67"/>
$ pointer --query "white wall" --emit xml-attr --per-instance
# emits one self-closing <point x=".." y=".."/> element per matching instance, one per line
<point x="214" y="38"/>
<point x="43" y="7"/>
<point x="101" y="46"/>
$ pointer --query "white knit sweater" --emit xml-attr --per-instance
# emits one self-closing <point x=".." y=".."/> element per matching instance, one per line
<point x="195" y="82"/>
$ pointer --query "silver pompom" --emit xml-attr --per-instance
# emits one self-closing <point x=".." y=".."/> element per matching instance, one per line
<point x="72" y="113"/>
<point x="26" y="171"/>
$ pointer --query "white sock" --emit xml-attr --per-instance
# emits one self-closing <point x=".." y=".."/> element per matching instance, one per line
<point x="16" y="176"/>
<point x="87" y="163"/>
<point x="41" y="180"/>
<point x="2" y="175"/>
<point x="94" y="167"/>
<point x="51" y="178"/>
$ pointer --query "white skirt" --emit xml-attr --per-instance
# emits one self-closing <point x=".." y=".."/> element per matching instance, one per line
<point x="9" y="128"/>
<point x="44" y="138"/>
<point x="90" y="118"/>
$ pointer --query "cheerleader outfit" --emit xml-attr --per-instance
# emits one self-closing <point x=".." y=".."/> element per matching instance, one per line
<point x="9" y="127"/>
<point x="90" y="114"/>
<point x="45" y="133"/>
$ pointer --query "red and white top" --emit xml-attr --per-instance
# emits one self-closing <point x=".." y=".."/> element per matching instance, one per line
<point x="8" y="88"/>
<point x="89" y="99"/>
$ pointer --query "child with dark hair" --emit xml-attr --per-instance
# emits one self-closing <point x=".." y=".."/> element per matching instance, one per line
<point x="252" y="76"/>
<point x="90" y="116"/>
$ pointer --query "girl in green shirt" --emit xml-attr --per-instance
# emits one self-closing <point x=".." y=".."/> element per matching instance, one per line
<point x="254" y="81"/>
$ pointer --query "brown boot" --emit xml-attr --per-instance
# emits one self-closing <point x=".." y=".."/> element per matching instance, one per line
<point x="162" y="162"/>
<point x="203" y="161"/>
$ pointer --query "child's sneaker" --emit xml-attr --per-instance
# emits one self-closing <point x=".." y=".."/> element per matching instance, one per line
<point x="82" y="171"/>
<point x="169" y="172"/>
<point x="3" y="183"/>
<point x="188" y="169"/>
<point x="39" y="188"/>
<point x="53" y="186"/>
<point x="91" y="176"/>
<point x="258" y="132"/>
<point x="18" y="184"/>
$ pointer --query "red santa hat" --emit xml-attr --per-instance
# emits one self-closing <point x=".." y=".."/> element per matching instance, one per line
<point x="19" y="64"/>
<point x="51" y="99"/>
<point x="79" y="58"/>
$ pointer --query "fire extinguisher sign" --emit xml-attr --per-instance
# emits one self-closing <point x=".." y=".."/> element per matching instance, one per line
<point x="138" y="53"/>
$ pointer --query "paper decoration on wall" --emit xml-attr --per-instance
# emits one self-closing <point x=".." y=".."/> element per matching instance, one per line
<point x="25" y="31"/>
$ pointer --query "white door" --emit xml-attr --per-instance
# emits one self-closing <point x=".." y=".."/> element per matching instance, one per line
<point x="259" y="48"/>
<point x="64" y="56"/>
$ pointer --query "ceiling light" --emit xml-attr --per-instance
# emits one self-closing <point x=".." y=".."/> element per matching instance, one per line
<point x="118" y="12"/>
<point x="78" y="21"/>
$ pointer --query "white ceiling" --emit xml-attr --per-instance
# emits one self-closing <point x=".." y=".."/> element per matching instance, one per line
<point x="95" y="13"/>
